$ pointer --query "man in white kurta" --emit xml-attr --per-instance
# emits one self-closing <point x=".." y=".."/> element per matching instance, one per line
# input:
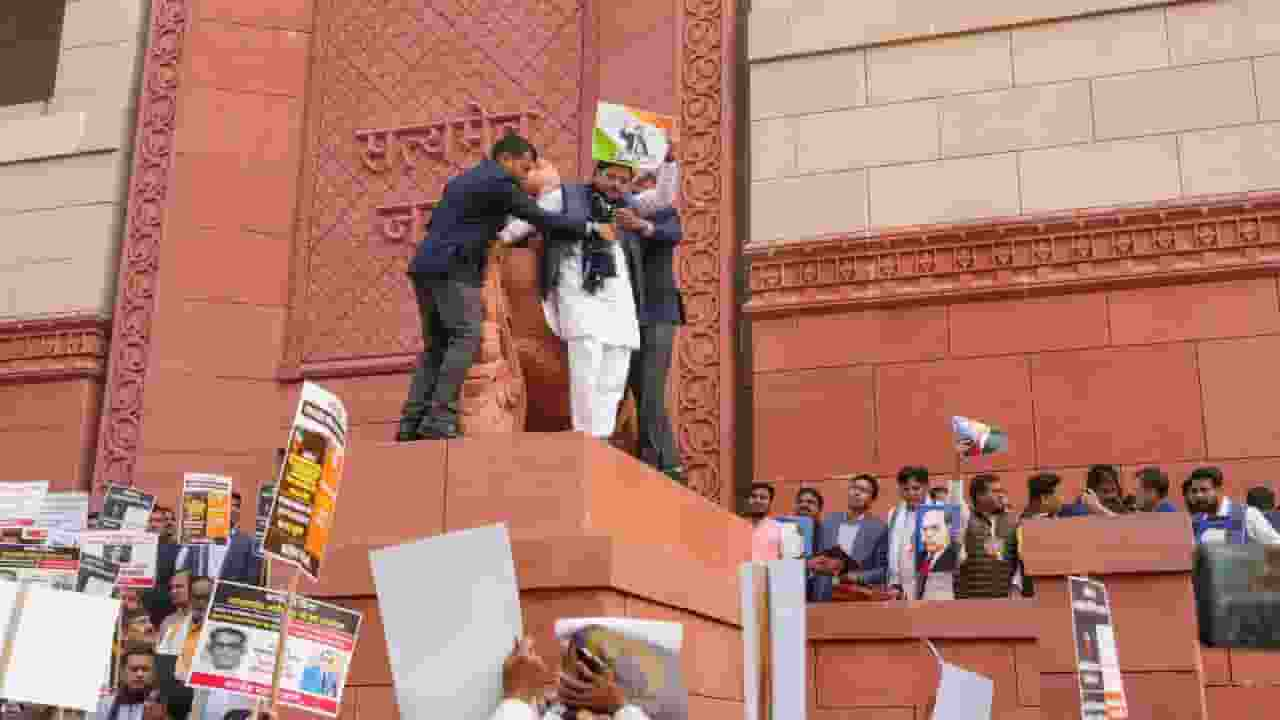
<point x="601" y="329"/>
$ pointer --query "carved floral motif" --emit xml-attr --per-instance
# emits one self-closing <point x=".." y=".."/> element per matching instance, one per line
<point x="1243" y="234"/>
<point x="62" y="348"/>
<point x="140" y="251"/>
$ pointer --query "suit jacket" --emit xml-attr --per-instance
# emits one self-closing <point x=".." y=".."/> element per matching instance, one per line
<point x="241" y="564"/>
<point x="1273" y="517"/>
<point x="663" y="302"/>
<point x="156" y="600"/>
<point x="870" y="551"/>
<point x="558" y="244"/>
<point x="475" y="205"/>
<point x="1165" y="506"/>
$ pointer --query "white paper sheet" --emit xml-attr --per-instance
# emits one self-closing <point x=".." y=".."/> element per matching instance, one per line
<point x="750" y="639"/>
<point x="962" y="695"/>
<point x="61" y="648"/>
<point x="451" y="612"/>
<point x="788" y="627"/>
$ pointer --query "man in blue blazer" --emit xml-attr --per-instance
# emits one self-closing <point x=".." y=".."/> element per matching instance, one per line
<point x="863" y="537"/>
<point x="448" y="278"/>
<point x="237" y="560"/>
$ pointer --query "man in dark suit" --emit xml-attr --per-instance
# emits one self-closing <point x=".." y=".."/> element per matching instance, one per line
<point x="448" y="277"/>
<point x="236" y="560"/>
<point x="859" y="535"/>
<point x="660" y="317"/>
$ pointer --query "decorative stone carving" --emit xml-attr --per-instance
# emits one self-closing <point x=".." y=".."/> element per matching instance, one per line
<point x="58" y="348"/>
<point x="1208" y="237"/>
<point x="140" y="254"/>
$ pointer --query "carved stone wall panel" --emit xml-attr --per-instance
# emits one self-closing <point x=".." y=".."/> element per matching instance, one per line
<point x="64" y="347"/>
<point x="404" y="95"/>
<point x="1182" y="240"/>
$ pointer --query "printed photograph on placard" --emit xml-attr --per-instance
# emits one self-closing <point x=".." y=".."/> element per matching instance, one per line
<point x="1097" y="660"/>
<point x="205" y="508"/>
<point x="135" y="553"/>
<point x="64" y="516"/>
<point x="266" y="498"/>
<point x="21" y="505"/>
<point x="97" y="576"/>
<point x="630" y="136"/>
<point x="302" y="515"/>
<point x="126" y="508"/>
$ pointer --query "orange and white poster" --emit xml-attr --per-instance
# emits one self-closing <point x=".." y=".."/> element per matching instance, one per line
<point x="205" y="508"/>
<point x="1097" y="660"/>
<point x="301" y="519"/>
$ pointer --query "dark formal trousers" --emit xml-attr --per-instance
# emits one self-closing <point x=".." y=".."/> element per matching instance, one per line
<point x="452" y="310"/>
<point x="650" y="366"/>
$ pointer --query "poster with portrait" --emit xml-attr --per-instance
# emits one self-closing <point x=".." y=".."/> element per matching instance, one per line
<point x="21" y="505"/>
<point x="1097" y="659"/>
<point x="236" y="651"/>
<point x="97" y="576"/>
<point x="134" y="551"/>
<point x="306" y="499"/>
<point x="205" y="509"/>
<point x="644" y="656"/>
<point x="58" y="568"/>
<point x="937" y="546"/>
<point x="126" y="508"/>
<point x="630" y="136"/>
<point x="64" y="516"/>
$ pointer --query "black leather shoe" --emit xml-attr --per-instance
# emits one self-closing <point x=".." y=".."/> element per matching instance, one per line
<point x="435" y="430"/>
<point x="407" y="436"/>
<point x="677" y="474"/>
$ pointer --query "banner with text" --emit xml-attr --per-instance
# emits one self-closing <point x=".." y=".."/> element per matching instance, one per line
<point x="134" y="551"/>
<point x="1097" y="660"/>
<point x="21" y="505"/>
<point x="126" y="508"/>
<point x="236" y="651"/>
<point x="266" y="498"/>
<point x="307" y="490"/>
<point x="64" y="516"/>
<point x="206" y="509"/>
<point x="57" y="568"/>
<point x="97" y="576"/>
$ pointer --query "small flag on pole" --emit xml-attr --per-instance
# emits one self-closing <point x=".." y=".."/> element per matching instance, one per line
<point x="974" y="438"/>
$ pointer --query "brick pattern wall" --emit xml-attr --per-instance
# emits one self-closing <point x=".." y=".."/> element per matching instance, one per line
<point x="1126" y="106"/>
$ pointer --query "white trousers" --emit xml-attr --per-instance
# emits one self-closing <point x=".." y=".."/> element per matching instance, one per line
<point x="597" y="380"/>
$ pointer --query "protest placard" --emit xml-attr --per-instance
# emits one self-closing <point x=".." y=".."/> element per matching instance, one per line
<point x="236" y="651"/>
<point x="126" y="508"/>
<point x="135" y="551"/>
<point x="21" y="505"/>
<point x="447" y="662"/>
<point x="1101" y="685"/>
<point x="629" y="136"/>
<point x="266" y="498"/>
<point x="206" y="509"/>
<point x="57" y="648"/>
<point x="307" y="490"/>
<point x="97" y="576"/>
<point x="64" y="516"/>
<point x="40" y="565"/>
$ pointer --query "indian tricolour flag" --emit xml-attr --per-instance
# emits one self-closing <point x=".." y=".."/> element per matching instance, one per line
<point x="974" y="438"/>
<point x="628" y="136"/>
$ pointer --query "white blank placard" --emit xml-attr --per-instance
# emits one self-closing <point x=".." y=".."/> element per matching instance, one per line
<point x="451" y="611"/>
<point x="788" y="631"/>
<point x="963" y="695"/>
<point x="750" y="639"/>
<point x="61" y="648"/>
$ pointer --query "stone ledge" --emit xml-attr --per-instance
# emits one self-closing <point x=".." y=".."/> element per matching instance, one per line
<point x="62" y="133"/>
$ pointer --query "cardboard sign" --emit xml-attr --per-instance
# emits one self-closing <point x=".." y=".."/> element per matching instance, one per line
<point x="66" y="672"/>
<point x="133" y="551"/>
<point x="205" y="508"/>
<point x="266" y="498"/>
<point x="1097" y="660"/>
<point x="21" y="506"/>
<point x="446" y="661"/>
<point x="97" y="576"/>
<point x="306" y="500"/>
<point x="64" y="516"/>
<point x="628" y="136"/>
<point x="236" y="651"/>
<point x="53" y="567"/>
<point x="962" y="694"/>
<point x="126" y="508"/>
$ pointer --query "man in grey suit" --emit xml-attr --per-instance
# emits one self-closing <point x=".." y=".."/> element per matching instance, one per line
<point x="857" y="534"/>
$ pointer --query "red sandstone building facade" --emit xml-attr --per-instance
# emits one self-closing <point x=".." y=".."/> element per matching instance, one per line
<point x="1056" y="216"/>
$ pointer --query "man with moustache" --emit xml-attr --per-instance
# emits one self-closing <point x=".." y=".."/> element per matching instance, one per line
<point x="913" y="483"/>
<point x="1218" y="519"/>
<point x="766" y="533"/>
<point x="989" y="543"/>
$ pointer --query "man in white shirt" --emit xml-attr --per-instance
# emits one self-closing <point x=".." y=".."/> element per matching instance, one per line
<point x="526" y="678"/>
<point x="1217" y="519"/>
<point x="590" y="286"/>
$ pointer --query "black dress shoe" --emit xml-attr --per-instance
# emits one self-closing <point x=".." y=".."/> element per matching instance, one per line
<point x="433" y="430"/>
<point x="407" y="436"/>
<point x="676" y="473"/>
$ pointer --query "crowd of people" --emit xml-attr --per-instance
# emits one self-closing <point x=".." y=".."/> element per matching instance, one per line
<point x="158" y="629"/>
<point x="934" y="546"/>
<point x="606" y="277"/>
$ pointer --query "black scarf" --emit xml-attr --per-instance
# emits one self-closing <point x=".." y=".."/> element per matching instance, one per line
<point x="125" y="696"/>
<point x="597" y="254"/>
